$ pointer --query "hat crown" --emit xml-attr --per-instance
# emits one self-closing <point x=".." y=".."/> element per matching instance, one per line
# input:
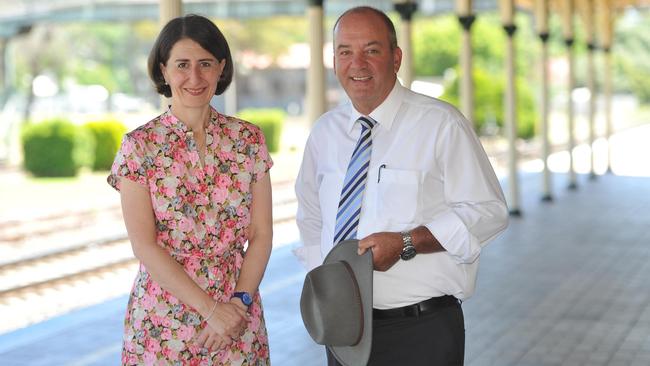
<point x="331" y="305"/>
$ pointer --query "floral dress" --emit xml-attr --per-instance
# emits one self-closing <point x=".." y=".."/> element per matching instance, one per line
<point x="202" y="212"/>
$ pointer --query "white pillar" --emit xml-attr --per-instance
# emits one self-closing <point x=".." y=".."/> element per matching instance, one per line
<point x="567" y="12"/>
<point x="406" y="10"/>
<point x="573" y="181"/>
<point x="3" y="64"/>
<point x="589" y="20"/>
<point x="608" y="105"/>
<point x="168" y="10"/>
<point x="230" y="97"/>
<point x="316" y="86"/>
<point x="591" y="85"/>
<point x="541" y="24"/>
<point x="606" y="27"/>
<point x="507" y="18"/>
<point x="466" y="19"/>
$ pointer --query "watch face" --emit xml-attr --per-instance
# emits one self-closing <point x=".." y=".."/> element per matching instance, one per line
<point x="246" y="299"/>
<point x="408" y="253"/>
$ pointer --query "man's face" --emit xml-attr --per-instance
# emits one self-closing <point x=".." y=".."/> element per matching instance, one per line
<point x="364" y="63"/>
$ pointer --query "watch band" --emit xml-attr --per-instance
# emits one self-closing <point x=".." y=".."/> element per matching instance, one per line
<point x="245" y="298"/>
<point x="408" y="251"/>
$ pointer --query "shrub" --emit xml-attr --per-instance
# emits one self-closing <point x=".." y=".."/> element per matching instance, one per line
<point x="269" y="121"/>
<point x="108" y="136"/>
<point x="56" y="148"/>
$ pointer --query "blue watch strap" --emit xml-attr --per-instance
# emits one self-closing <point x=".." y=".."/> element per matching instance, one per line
<point x="245" y="297"/>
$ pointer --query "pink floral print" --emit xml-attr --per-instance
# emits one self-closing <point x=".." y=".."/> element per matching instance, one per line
<point x="202" y="212"/>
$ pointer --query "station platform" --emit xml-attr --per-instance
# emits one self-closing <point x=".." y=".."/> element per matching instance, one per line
<point x="566" y="284"/>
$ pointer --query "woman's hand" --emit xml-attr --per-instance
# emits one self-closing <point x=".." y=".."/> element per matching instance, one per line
<point x="226" y="323"/>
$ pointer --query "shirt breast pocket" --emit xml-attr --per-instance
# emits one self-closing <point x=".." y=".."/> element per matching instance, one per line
<point x="398" y="195"/>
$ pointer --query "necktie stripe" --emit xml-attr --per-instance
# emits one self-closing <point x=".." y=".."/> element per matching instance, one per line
<point x="352" y="187"/>
<point x="357" y="166"/>
<point x="363" y="149"/>
<point x="354" y="183"/>
<point x="344" y="208"/>
<point x="360" y="171"/>
<point x="352" y="225"/>
<point x="349" y="227"/>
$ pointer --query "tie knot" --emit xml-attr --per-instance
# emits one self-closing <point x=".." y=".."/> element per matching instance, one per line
<point x="367" y="122"/>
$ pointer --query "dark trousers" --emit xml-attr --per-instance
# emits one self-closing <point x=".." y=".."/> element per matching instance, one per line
<point x="432" y="339"/>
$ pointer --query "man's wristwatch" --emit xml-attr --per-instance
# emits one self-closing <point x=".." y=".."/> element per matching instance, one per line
<point x="408" y="251"/>
<point x="245" y="298"/>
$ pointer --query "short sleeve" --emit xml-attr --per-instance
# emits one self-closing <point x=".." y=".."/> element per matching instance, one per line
<point x="263" y="161"/>
<point x="129" y="163"/>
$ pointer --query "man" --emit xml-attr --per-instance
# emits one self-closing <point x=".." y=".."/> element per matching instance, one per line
<point x="412" y="182"/>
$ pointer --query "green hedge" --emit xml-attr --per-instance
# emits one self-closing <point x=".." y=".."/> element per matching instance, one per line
<point x="56" y="148"/>
<point x="108" y="136"/>
<point x="269" y="120"/>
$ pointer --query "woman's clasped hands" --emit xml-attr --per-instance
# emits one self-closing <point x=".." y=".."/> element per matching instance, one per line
<point x="225" y="323"/>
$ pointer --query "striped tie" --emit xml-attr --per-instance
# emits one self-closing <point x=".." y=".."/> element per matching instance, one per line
<point x="347" y="217"/>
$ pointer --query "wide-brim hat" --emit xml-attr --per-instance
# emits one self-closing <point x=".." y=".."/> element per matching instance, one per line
<point x="336" y="303"/>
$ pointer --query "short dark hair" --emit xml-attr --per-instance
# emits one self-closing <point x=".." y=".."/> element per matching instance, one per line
<point x="392" y="35"/>
<point x="202" y="31"/>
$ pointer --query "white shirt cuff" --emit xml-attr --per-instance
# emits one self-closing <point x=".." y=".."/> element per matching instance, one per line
<point x="309" y="256"/>
<point x="453" y="235"/>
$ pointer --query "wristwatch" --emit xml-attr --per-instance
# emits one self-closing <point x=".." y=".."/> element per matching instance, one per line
<point x="245" y="298"/>
<point x="408" y="251"/>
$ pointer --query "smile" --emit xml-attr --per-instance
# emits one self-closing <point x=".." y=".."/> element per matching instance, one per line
<point x="196" y="91"/>
<point x="364" y="78"/>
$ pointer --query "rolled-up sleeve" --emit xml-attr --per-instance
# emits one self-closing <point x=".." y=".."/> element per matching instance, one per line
<point x="476" y="209"/>
<point x="308" y="216"/>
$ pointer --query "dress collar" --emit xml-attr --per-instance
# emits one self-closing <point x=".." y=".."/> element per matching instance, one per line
<point x="168" y="119"/>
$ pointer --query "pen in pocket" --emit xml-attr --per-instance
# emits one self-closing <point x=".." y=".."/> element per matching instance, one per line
<point x="382" y="166"/>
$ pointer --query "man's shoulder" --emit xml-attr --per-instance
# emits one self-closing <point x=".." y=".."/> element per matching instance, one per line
<point x="428" y="103"/>
<point x="335" y="116"/>
<point x="432" y="112"/>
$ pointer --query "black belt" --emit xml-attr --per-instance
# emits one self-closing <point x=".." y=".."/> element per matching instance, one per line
<point x="415" y="310"/>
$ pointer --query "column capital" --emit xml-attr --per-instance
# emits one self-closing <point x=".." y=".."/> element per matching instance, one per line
<point x="543" y="36"/>
<point x="315" y="3"/>
<point x="510" y="29"/>
<point x="406" y="9"/>
<point x="466" y="21"/>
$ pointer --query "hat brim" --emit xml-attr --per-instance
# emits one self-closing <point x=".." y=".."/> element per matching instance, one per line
<point x="363" y="270"/>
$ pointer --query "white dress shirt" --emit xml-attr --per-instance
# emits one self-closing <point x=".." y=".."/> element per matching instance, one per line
<point x="427" y="168"/>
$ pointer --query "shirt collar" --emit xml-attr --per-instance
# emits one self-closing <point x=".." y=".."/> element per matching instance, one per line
<point x="385" y="113"/>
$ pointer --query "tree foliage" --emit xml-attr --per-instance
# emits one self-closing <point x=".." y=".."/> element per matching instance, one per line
<point x="437" y="48"/>
<point x="632" y="52"/>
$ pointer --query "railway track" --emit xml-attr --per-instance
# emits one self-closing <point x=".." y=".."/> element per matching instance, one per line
<point x="58" y="263"/>
<point x="78" y="267"/>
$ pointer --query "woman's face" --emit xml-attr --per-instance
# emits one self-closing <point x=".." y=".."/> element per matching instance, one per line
<point x="192" y="74"/>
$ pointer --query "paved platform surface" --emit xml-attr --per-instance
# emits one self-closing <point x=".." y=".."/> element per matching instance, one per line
<point x="567" y="284"/>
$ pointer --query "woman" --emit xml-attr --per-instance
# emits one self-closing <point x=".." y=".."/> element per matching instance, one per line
<point x="195" y="188"/>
